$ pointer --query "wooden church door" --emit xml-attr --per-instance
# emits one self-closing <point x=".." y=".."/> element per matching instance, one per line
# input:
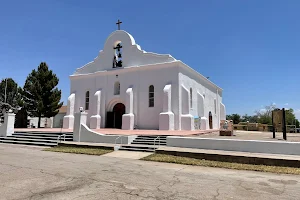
<point x="210" y="119"/>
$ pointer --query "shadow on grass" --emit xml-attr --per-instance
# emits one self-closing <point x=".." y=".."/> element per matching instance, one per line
<point x="79" y="150"/>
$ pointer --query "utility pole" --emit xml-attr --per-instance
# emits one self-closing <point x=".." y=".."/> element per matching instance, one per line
<point x="283" y="124"/>
<point x="5" y="90"/>
<point x="273" y="123"/>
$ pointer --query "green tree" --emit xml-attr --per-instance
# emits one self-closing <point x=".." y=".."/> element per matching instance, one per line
<point x="265" y="119"/>
<point x="249" y="118"/>
<point x="290" y="118"/>
<point x="236" y="118"/>
<point x="245" y="118"/>
<point x="265" y="115"/>
<point x="10" y="96"/>
<point x="21" y="117"/>
<point x="41" y="95"/>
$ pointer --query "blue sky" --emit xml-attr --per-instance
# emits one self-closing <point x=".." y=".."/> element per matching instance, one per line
<point x="251" y="49"/>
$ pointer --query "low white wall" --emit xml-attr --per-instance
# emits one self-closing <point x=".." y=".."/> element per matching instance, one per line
<point x="253" y="146"/>
<point x="3" y="130"/>
<point x="7" y="128"/>
<point x="87" y="135"/>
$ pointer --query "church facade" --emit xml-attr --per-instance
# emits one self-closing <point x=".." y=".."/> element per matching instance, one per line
<point x="128" y="88"/>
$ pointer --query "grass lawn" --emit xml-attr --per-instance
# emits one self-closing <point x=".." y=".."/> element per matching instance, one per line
<point x="227" y="165"/>
<point x="79" y="150"/>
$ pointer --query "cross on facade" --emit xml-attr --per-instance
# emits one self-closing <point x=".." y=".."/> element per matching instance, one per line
<point x="119" y="24"/>
<point x="119" y="46"/>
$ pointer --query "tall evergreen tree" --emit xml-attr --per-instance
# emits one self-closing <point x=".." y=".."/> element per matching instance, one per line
<point x="10" y="96"/>
<point x="41" y="95"/>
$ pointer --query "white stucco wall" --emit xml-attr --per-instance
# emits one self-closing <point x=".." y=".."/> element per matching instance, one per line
<point x="253" y="146"/>
<point x="139" y="79"/>
<point x="210" y="93"/>
<point x="88" y="135"/>
<point x="58" y="119"/>
<point x="7" y="127"/>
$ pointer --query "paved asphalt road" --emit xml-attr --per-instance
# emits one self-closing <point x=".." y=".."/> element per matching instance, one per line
<point x="29" y="173"/>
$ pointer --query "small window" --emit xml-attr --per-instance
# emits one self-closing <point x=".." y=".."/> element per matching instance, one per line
<point x="87" y="100"/>
<point x="191" y="97"/>
<point x="151" y="96"/>
<point x="117" y="88"/>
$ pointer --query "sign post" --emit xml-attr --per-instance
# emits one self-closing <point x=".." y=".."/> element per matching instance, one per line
<point x="278" y="121"/>
<point x="283" y="124"/>
<point x="274" y="127"/>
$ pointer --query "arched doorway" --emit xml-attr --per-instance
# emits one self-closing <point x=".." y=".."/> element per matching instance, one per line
<point x="114" y="118"/>
<point x="210" y="120"/>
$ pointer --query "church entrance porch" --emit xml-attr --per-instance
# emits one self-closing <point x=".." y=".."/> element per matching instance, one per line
<point x="114" y="118"/>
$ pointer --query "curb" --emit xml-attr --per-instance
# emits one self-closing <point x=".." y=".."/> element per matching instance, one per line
<point x="234" y="158"/>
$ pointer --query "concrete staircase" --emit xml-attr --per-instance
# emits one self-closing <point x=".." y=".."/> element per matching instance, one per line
<point x="49" y="139"/>
<point x="146" y="143"/>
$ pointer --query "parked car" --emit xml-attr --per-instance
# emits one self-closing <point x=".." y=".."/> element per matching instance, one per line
<point x="292" y="130"/>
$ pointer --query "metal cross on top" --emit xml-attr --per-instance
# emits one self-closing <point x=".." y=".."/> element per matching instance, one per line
<point x="119" y="24"/>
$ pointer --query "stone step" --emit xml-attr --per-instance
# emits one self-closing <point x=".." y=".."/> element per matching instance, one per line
<point x="41" y="132"/>
<point x="142" y="146"/>
<point x="151" y="139"/>
<point x="148" y="139"/>
<point x="135" y="148"/>
<point x="41" y="135"/>
<point x="149" y="143"/>
<point x="28" y="140"/>
<point x="28" y="143"/>
<point x="67" y="138"/>
<point x="151" y="136"/>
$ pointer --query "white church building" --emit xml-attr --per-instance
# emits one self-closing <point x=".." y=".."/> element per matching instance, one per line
<point x="128" y="88"/>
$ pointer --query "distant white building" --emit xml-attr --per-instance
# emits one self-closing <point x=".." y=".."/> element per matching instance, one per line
<point x="57" y="120"/>
<point x="53" y="122"/>
<point x="127" y="87"/>
<point x="32" y="122"/>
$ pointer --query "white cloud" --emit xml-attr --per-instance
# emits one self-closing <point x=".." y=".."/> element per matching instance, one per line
<point x="263" y="110"/>
<point x="286" y="106"/>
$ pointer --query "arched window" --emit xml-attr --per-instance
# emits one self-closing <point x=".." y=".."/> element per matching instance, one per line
<point x="151" y="96"/>
<point x="191" y="97"/>
<point x="117" y="88"/>
<point x="87" y="100"/>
